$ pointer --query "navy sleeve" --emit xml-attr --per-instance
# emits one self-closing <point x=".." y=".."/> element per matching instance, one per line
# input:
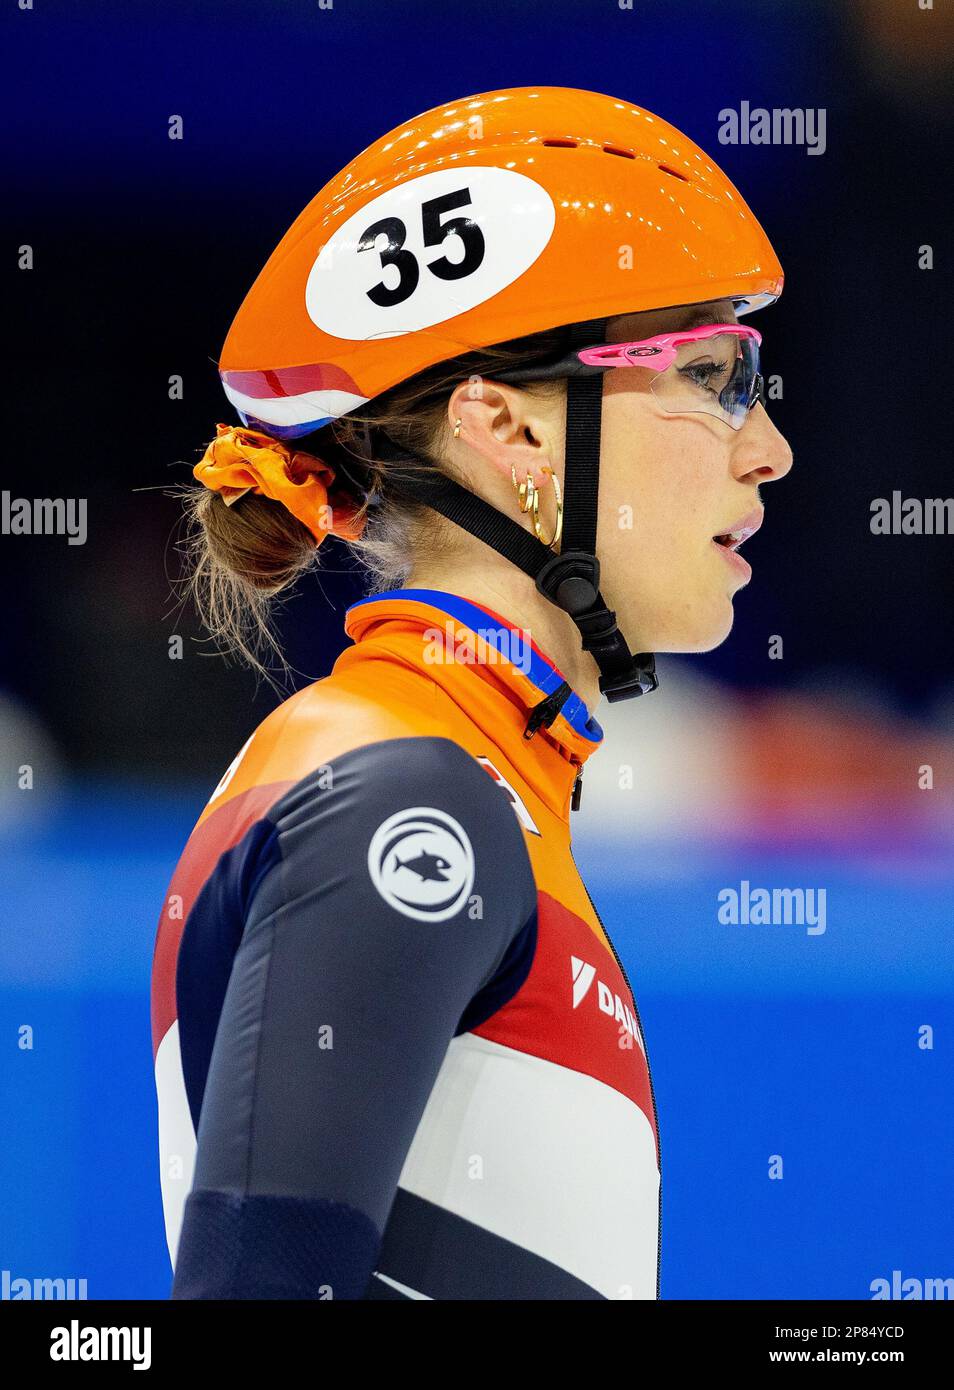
<point x="398" y="896"/>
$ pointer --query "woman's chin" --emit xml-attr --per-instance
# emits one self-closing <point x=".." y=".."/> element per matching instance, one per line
<point x="703" y="633"/>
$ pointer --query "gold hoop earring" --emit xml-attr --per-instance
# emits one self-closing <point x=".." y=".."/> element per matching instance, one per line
<point x="558" y="524"/>
<point x="526" y="492"/>
<point x="457" y="428"/>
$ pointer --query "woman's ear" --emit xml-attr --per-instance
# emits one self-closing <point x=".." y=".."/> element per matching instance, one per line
<point x="505" y="426"/>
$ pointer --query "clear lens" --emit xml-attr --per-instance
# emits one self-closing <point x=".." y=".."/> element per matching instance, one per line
<point x="712" y="376"/>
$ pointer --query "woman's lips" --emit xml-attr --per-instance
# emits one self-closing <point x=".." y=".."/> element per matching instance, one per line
<point x="729" y="540"/>
<point x="733" y="536"/>
<point x="738" y="562"/>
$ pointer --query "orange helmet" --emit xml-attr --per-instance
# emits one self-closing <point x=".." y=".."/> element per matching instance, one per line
<point x="488" y="220"/>
<point x="491" y="218"/>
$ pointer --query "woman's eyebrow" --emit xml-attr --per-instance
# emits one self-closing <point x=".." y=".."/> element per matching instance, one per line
<point x="697" y="317"/>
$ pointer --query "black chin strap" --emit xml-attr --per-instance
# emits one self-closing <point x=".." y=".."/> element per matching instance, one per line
<point x="571" y="580"/>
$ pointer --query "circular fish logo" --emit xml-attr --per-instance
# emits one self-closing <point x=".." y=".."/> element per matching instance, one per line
<point x="422" y="863"/>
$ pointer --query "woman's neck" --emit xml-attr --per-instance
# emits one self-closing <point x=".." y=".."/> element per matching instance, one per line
<point x="500" y="586"/>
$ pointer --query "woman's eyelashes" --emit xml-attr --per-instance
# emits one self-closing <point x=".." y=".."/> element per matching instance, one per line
<point x="701" y="374"/>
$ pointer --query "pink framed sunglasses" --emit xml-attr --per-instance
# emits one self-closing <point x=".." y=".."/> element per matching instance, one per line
<point x="713" y="370"/>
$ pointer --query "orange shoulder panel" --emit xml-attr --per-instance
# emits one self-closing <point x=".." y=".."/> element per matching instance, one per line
<point x="361" y="702"/>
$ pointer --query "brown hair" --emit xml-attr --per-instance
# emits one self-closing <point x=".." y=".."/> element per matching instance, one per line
<point x="239" y="557"/>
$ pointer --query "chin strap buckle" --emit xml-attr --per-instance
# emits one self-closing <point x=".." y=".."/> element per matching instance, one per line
<point x="641" y="679"/>
<point x="572" y="581"/>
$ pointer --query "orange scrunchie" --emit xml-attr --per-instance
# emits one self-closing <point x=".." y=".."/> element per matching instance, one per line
<point x="241" y="460"/>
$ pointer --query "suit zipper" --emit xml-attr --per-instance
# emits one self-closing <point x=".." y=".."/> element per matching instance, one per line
<point x="649" y="1071"/>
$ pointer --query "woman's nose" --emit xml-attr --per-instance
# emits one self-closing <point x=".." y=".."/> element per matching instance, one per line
<point x="762" y="449"/>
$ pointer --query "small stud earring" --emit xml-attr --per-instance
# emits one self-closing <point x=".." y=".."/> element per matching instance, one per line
<point x="457" y="428"/>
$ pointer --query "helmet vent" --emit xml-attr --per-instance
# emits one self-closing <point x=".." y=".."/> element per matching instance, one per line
<point x="561" y="144"/>
<point x="674" y="173"/>
<point x="623" y="154"/>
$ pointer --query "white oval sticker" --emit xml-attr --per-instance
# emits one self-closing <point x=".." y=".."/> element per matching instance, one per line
<point x="427" y="250"/>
